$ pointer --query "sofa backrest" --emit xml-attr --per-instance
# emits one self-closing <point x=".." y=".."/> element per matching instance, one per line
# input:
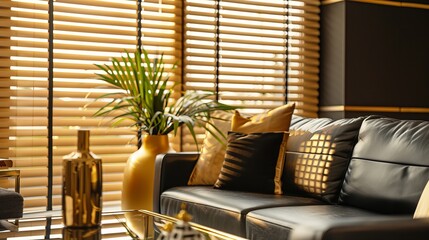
<point x="317" y="156"/>
<point x="389" y="166"/>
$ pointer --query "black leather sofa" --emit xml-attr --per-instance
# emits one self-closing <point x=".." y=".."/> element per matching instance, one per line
<point x="349" y="179"/>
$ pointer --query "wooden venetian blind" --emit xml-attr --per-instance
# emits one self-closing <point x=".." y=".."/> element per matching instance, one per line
<point x="255" y="54"/>
<point x="85" y="33"/>
<point x="303" y="55"/>
<point x="5" y="81"/>
<point x="27" y="140"/>
<point x="88" y="32"/>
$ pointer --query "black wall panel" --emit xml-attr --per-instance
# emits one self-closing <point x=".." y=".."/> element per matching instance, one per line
<point x="387" y="56"/>
<point x="414" y="55"/>
<point x="332" y="55"/>
<point x="374" y="55"/>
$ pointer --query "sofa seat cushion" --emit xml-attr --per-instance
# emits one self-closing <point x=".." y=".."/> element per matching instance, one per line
<point x="11" y="204"/>
<point x="223" y="209"/>
<point x="306" y="222"/>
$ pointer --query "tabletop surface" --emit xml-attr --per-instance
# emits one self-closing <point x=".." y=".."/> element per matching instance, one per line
<point x="114" y="225"/>
<point x="48" y="225"/>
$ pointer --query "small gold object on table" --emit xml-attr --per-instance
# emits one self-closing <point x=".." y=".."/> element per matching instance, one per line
<point x="181" y="229"/>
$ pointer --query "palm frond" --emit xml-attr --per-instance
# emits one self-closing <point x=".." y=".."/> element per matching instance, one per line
<point x="146" y="96"/>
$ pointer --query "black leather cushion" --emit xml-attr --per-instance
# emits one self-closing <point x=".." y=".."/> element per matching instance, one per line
<point x="389" y="167"/>
<point x="251" y="161"/>
<point x="223" y="209"/>
<point x="306" y="222"/>
<point x="318" y="154"/>
<point x="11" y="204"/>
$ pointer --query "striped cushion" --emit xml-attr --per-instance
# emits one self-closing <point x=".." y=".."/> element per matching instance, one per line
<point x="253" y="162"/>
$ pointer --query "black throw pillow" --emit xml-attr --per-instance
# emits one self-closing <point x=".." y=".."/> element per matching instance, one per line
<point x="253" y="162"/>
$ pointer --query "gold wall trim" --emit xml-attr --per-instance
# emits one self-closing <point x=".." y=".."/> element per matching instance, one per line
<point x="415" y="5"/>
<point x="382" y="2"/>
<point x="415" y="110"/>
<point x="327" y="2"/>
<point x="373" y="109"/>
<point x="332" y="108"/>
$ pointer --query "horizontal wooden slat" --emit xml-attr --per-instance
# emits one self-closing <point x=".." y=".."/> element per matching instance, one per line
<point x="130" y="5"/>
<point x="236" y="81"/>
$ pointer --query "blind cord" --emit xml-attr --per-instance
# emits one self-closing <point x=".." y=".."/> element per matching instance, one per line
<point x="50" y="102"/>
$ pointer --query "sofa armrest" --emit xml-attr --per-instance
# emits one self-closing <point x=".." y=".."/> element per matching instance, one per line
<point x="172" y="170"/>
<point x="396" y="228"/>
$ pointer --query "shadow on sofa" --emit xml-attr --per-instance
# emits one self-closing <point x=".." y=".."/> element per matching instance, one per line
<point x="357" y="178"/>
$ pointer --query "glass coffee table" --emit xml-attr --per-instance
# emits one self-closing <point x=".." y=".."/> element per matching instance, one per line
<point x="134" y="224"/>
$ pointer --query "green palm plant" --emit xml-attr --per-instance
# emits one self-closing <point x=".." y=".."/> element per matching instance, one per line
<point x="145" y="98"/>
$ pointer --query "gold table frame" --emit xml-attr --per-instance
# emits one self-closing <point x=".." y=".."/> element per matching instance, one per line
<point x="5" y="173"/>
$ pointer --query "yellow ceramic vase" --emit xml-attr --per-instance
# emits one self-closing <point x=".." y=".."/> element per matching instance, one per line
<point x="137" y="186"/>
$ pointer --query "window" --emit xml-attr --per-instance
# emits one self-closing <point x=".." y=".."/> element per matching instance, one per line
<point x="85" y="33"/>
<point x="256" y="54"/>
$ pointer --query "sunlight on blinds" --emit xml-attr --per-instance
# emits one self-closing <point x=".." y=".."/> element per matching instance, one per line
<point x="303" y="55"/>
<point x="85" y="33"/>
<point x="253" y="53"/>
<point x="29" y="80"/>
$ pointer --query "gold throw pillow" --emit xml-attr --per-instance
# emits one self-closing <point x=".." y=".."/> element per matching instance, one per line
<point x="208" y="166"/>
<point x="276" y="120"/>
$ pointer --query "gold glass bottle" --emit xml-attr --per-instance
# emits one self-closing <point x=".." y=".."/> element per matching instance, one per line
<point x="82" y="186"/>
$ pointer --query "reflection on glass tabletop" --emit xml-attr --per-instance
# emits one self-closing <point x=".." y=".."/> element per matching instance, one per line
<point x="131" y="224"/>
